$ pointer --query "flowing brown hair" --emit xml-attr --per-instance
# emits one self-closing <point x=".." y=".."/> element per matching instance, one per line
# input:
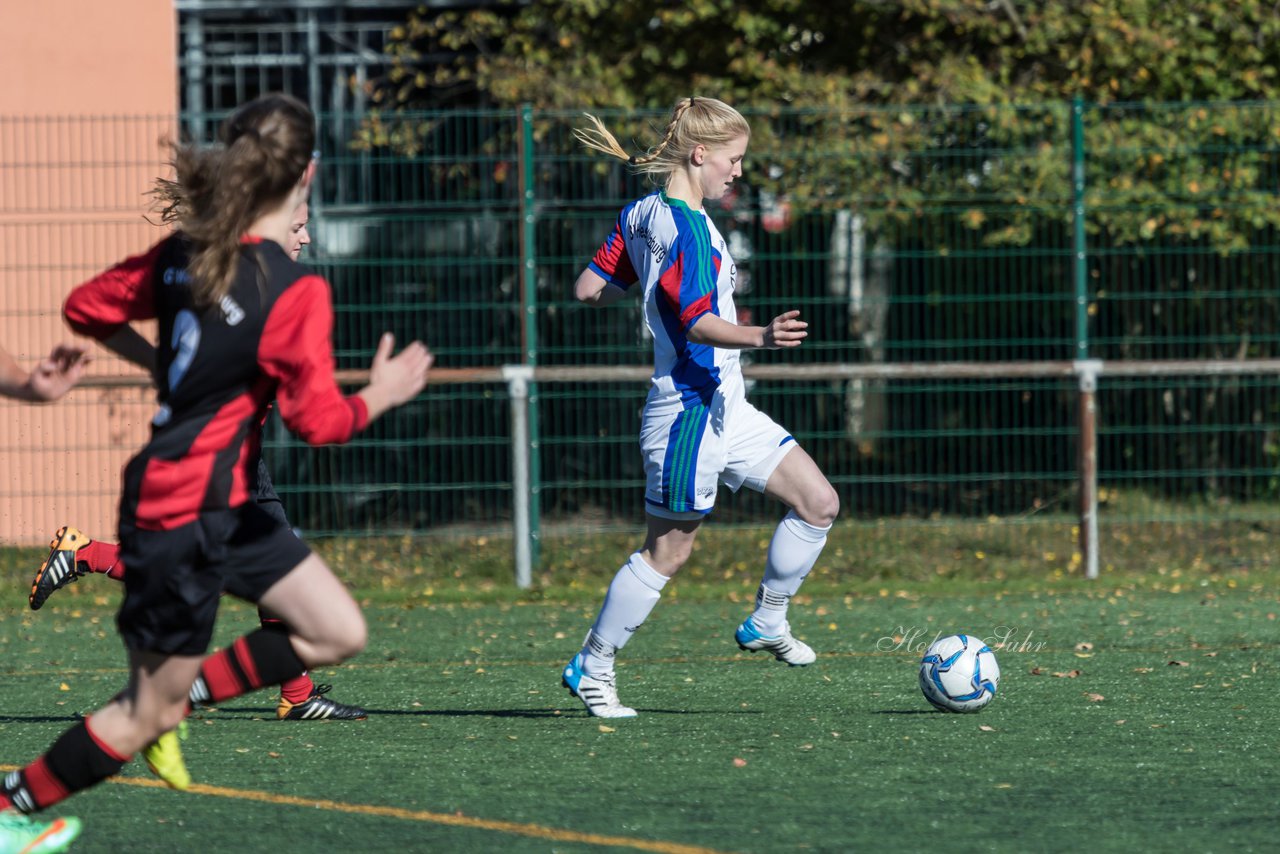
<point x="693" y="122"/>
<point x="220" y="190"/>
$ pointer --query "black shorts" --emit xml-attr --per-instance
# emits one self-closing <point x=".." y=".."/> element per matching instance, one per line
<point x="176" y="577"/>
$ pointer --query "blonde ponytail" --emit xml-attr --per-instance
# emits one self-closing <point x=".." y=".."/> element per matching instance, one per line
<point x="694" y="121"/>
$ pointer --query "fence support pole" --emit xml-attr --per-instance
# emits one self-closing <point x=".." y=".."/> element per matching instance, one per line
<point x="517" y="378"/>
<point x="1079" y="258"/>
<point x="1087" y="371"/>
<point x="529" y="311"/>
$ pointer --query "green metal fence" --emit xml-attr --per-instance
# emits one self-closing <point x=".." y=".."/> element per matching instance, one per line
<point x="982" y="236"/>
<point x="955" y="240"/>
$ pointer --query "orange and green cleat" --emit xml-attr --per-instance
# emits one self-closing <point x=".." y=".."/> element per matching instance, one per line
<point x="21" y="834"/>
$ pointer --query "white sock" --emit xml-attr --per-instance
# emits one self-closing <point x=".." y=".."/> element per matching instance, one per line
<point x="793" y="551"/>
<point x="631" y="597"/>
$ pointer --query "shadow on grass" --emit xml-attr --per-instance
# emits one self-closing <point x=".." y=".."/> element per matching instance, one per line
<point x="907" y="712"/>
<point x="247" y="713"/>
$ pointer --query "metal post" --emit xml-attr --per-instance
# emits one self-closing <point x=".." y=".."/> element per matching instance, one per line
<point x="529" y="305"/>
<point x="195" y="63"/>
<point x="517" y="378"/>
<point x="1080" y="256"/>
<point x="1087" y="371"/>
<point x="315" y="207"/>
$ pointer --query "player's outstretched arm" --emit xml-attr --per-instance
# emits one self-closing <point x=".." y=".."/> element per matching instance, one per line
<point x="52" y="377"/>
<point x="394" y="380"/>
<point x="784" y="331"/>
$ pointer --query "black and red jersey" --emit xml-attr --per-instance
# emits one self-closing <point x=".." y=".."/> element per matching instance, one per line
<point x="217" y="370"/>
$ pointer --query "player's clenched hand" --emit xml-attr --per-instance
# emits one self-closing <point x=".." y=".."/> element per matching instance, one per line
<point x="401" y="377"/>
<point x="785" y="330"/>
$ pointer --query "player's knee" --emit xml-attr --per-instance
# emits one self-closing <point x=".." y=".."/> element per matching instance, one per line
<point x="821" y="507"/>
<point x="669" y="559"/>
<point x="350" y="640"/>
<point x="829" y="507"/>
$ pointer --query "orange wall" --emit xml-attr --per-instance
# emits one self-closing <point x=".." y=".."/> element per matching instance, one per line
<point x="88" y="57"/>
<point x="76" y="156"/>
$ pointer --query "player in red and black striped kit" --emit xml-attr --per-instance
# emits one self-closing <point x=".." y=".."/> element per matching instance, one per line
<point x="73" y="554"/>
<point x="240" y="324"/>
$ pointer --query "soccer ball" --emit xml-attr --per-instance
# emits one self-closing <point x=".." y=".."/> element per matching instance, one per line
<point x="959" y="674"/>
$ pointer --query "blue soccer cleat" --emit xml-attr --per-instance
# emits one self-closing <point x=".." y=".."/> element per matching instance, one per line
<point x="784" y="647"/>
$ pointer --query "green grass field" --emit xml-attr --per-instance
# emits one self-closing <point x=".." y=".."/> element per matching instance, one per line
<point x="1137" y="712"/>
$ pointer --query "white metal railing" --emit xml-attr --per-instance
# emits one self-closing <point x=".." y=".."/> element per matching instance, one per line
<point x="1087" y="372"/>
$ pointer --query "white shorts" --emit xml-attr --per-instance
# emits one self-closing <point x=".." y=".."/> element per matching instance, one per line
<point x="688" y="452"/>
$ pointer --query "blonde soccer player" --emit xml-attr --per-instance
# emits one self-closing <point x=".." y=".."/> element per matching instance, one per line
<point x="697" y="430"/>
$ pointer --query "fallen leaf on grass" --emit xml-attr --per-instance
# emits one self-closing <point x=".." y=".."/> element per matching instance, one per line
<point x="604" y="728"/>
<point x="1095" y="698"/>
<point x="739" y="762"/>
<point x="986" y="728"/>
<point x="1177" y="664"/>
<point x="1069" y="674"/>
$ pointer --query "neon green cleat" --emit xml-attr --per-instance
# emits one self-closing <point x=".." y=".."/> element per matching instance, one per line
<point x="164" y="758"/>
<point x="21" y="834"/>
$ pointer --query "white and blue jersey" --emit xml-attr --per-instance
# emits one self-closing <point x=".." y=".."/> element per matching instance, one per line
<point x="678" y="256"/>
<point x="698" y="430"/>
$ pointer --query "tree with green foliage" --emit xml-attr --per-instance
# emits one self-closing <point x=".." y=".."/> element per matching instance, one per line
<point x="947" y="127"/>
<point x="807" y="53"/>
<point x="871" y="77"/>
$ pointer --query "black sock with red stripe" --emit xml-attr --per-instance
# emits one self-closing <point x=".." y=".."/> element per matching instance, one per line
<point x="75" y="762"/>
<point x="298" y="689"/>
<point x="260" y="658"/>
